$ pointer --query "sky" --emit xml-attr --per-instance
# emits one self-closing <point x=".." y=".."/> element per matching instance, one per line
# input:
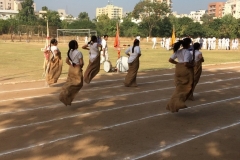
<point x="74" y="7"/>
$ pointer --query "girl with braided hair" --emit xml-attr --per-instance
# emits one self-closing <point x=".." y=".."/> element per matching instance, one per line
<point x="94" y="59"/>
<point x="54" y="68"/>
<point x="134" y="52"/>
<point x="75" y="77"/>
<point x="183" y="75"/>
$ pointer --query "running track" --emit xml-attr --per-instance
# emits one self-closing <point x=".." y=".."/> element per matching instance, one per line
<point x="108" y="121"/>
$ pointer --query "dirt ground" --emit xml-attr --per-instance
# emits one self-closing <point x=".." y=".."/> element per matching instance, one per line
<point x="108" y="121"/>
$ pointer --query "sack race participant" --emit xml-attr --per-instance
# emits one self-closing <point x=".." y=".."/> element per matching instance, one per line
<point x="54" y="66"/>
<point x="93" y="67"/>
<point x="75" y="76"/>
<point x="197" y="70"/>
<point x="134" y="52"/>
<point x="183" y="75"/>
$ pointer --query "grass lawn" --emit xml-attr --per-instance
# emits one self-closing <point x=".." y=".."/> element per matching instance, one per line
<point x="20" y="61"/>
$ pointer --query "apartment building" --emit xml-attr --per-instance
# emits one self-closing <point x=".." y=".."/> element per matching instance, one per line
<point x="12" y="5"/>
<point x="232" y="7"/>
<point x="197" y="15"/>
<point x="215" y="9"/>
<point x="112" y="11"/>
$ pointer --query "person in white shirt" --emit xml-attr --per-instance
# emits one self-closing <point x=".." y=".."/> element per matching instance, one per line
<point x="227" y="44"/>
<point x="104" y="52"/>
<point x="154" y="40"/>
<point x="54" y="66"/>
<point x="183" y="75"/>
<point x="86" y="39"/>
<point x="134" y="52"/>
<point x="168" y="44"/>
<point x="213" y="43"/>
<point x="93" y="67"/>
<point x="219" y="43"/>
<point x="198" y="59"/>
<point x="75" y="77"/>
<point x="138" y="37"/>
<point x="223" y="43"/>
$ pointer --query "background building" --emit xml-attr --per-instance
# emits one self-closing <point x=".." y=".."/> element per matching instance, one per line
<point x="12" y="5"/>
<point x="112" y="11"/>
<point x="232" y="7"/>
<point x="197" y="15"/>
<point x="215" y="9"/>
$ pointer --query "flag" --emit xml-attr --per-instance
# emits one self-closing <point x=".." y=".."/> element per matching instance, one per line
<point x="173" y="39"/>
<point x="117" y="41"/>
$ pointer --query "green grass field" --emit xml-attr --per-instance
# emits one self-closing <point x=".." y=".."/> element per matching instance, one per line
<point x="20" y="61"/>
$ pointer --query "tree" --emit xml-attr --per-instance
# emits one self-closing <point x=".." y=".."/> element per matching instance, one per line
<point x="206" y="19"/>
<point x="53" y="18"/>
<point x="128" y="28"/>
<point x="45" y="8"/>
<point x="105" y="25"/>
<point x="182" y="25"/>
<point x="83" y="16"/>
<point x="26" y="14"/>
<point x="229" y="27"/>
<point x="150" y="13"/>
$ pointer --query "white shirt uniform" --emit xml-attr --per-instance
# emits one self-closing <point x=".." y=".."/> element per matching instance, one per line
<point x="183" y="55"/>
<point x="53" y="49"/>
<point x="133" y="56"/>
<point x="104" y="46"/>
<point x="93" y="51"/>
<point x="197" y="53"/>
<point x="75" y="56"/>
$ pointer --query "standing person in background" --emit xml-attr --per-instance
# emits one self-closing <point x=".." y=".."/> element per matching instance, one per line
<point x="201" y="42"/>
<point x="219" y="43"/>
<point x="104" y="52"/>
<point x="154" y="40"/>
<point x="94" y="59"/>
<point x="86" y="40"/>
<point x="198" y="59"/>
<point x="75" y="77"/>
<point x="183" y="75"/>
<point x="54" y="68"/>
<point x="134" y="52"/>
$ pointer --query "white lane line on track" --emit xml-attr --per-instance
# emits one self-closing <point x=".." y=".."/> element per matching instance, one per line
<point x="106" y="110"/>
<point x="46" y="95"/>
<point x="140" y="77"/>
<point x="107" y="127"/>
<point x="101" y="98"/>
<point x="12" y="83"/>
<point x="185" y="141"/>
<point x="145" y="77"/>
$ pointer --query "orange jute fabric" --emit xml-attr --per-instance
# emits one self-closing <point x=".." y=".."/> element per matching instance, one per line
<point x="131" y="77"/>
<point x="183" y="83"/>
<point x="72" y="86"/>
<point x="92" y="70"/>
<point x="54" y="69"/>
<point x="197" y="74"/>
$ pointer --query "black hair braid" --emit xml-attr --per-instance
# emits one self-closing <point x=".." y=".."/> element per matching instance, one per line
<point x="135" y="43"/>
<point x="72" y="46"/>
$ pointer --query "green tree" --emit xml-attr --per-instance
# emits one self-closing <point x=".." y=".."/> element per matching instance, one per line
<point x="26" y="14"/>
<point x="229" y="27"/>
<point x="206" y="19"/>
<point x="83" y="16"/>
<point x="150" y="13"/>
<point x="45" y="8"/>
<point x="181" y="26"/>
<point x="4" y="26"/>
<point x="128" y="28"/>
<point x="105" y="25"/>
